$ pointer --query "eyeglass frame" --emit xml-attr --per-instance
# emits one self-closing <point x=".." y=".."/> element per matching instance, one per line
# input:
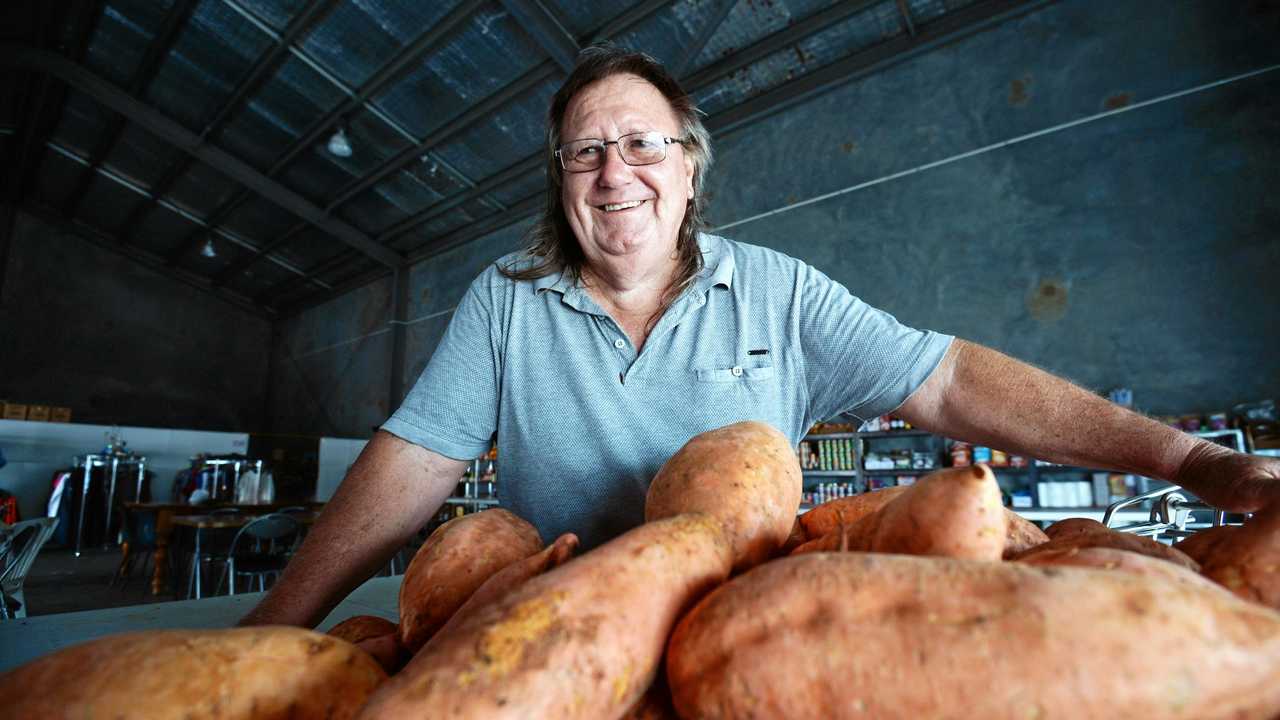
<point x="606" y="143"/>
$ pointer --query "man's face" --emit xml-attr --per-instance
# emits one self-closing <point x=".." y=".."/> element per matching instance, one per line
<point x="622" y="213"/>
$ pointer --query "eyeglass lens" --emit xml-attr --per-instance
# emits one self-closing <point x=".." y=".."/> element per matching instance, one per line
<point x="645" y="148"/>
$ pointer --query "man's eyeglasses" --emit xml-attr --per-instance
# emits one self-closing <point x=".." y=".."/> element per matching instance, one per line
<point x="642" y="148"/>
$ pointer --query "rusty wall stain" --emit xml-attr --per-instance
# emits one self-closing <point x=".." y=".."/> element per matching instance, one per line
<point x="1048" y="302"/>
<point x="1020" y="91"/>
<point x="1118" y="100"/>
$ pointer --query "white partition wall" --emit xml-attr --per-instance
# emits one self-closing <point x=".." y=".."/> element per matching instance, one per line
<point x="336" y="457"/>
<point x="35" y="450"/>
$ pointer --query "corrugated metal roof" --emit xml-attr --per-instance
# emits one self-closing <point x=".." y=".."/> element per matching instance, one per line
<point x="464" y="109"/>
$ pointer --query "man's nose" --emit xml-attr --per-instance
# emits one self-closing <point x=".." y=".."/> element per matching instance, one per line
<point x="614" y="170"/>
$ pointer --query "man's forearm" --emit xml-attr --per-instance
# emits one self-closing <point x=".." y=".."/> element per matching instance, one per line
<point x="390" y="493"/>
<point x="983" y="396"/>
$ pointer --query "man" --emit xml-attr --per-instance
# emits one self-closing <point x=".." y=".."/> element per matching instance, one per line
<point x="624" y="331"/>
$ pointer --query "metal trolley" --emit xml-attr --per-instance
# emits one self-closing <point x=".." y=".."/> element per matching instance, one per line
<point x="1171" y="514"/>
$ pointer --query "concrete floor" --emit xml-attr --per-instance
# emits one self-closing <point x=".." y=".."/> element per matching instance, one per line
<point x="60" y="582"/>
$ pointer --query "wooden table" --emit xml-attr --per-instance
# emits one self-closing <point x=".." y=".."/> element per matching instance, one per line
<point x="22" y="641"/>
<point x="228" y="521"/>
<point x="166" y="512"/>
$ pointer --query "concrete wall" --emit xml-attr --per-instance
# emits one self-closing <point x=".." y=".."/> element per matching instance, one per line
<point x="119" y="343"/>
<point x="1137" y="250"/>
<point x="331" y="368"/>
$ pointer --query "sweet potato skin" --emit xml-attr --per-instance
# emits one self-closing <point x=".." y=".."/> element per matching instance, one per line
<point x="362" y="627"/>
<point x="951" y="513"/>
<point x="746" y="474"/>
<point x="1247" y="561"/>
<point x="455" y="560"/>
<point x="1105" y="558"/>
<point x="1020" y="534"/>
<point x="258" y="673"/>
<point x="581" y="641"/>
<point x="1200" y="546"/>
<point x="859" y="635"/>
<point x="1086" y="537"/>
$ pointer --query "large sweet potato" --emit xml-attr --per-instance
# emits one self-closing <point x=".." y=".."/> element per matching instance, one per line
<point x="1020" y="533"/>
<point x="254" y="673"/>
<point x="1247" y="561"/>
<point x="1086" y="536"/>
<point x="1201" y="545"/>
<point x="952" y="513"/>
<point x="861" y="635"/>
<point x="362" y="627"/>
<point x="1105" y="558"/>
<point x="581" y="641"/>
<point x="455" y="560"/>
<point x="746" y="474"/>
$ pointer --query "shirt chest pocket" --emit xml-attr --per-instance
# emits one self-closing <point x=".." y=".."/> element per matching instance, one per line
<point x="741" y="374"/>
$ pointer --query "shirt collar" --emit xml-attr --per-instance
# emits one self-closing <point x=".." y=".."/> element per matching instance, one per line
<point x="717" y="269"/>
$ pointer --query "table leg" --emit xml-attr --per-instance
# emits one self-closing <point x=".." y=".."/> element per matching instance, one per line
<point x="195" y="563"/>
<point x="160" y="575"/>
<point x="84" y="500"/>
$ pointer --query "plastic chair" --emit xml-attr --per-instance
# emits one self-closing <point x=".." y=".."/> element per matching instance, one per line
<point x="25" y="540"/>
<point x="261" y="548"/>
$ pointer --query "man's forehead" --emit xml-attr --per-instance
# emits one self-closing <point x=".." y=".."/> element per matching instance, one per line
<point x="619" y="98"/>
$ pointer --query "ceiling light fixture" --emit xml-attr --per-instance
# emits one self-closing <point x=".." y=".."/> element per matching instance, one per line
<point x="209" y="250"/>
<point x="338" y="143"/>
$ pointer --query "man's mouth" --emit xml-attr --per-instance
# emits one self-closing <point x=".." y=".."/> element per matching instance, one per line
<point x="616" y="207"/>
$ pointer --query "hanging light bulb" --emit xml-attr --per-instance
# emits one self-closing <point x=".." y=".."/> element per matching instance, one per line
<point x="338" y="143"/>
<point x="209" y="250"/>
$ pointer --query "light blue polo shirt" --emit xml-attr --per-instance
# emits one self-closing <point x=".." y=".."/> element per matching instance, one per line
<point x="583" y="422"/>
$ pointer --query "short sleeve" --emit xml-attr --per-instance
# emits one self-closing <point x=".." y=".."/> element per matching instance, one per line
<point x="453" y="407"/>
<point x="859" y="360"/>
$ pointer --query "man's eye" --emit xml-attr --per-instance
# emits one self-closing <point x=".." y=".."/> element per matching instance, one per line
<point x="587" y="151"/>
<point x="641" y="143"/>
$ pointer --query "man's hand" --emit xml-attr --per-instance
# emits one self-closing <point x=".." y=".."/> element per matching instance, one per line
<point x="1229" y="480"/>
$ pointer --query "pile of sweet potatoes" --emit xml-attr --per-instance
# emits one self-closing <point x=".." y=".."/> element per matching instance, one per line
<point x="926" y="601"/>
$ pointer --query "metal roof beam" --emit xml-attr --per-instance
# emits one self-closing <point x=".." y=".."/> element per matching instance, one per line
<point x="107" y="241"/>
<point x="779" y="40"/>
<point x="409" y="57"/>
<point x="484" y="108"/>
<point x="157" y="50"/>
<point x="489" y="184"/>
<point x="257" y="75"/>
<point x="545" y="28"/>
<point x="250" y="259"/>
<point x="312" y="273"/>
<point x="189" y="142"/>
<point x="948" y="28"/>
<point x="720" y="14"/>
<point x="627" y="19"/>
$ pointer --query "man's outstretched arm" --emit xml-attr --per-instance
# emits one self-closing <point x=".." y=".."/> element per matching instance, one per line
<point x="390" y="493"/>
<point x="983" y="396"/>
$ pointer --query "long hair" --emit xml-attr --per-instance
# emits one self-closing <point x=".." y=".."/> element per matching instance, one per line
<point x="551" y="242"/>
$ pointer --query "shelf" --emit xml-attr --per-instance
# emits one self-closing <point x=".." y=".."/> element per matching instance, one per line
<point x="831" y="473"/>
<point x="830" y="436"/>
<point x="893" y="433"/>
<point x="902" y="471"/>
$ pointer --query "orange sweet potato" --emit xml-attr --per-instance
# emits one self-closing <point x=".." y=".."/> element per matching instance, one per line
<point x="362" y="627"/>
<point x="1084" y="536"/>
<point x="580" y="641"/>
<point x="1105" y="558"/>
<point x="1201" y="546"/>
<point x="953" y="513"/>
<point x="1072" y="527"/>
<point x="513" y="576"/>
<point x="1247" y="561"/>
<point x="455" y="560"/>
<point x="862" y="635"/>
<point x="257" y="673"/>
<point x="746" y="474"/>
<point x="1020" y="533"/>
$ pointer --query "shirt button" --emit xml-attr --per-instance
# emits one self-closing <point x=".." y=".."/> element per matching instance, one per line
<point x="619" y="343"/>
<point x="737" y="371"/>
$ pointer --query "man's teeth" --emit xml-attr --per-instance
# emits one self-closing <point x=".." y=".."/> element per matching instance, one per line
<point x="613" y="207"/>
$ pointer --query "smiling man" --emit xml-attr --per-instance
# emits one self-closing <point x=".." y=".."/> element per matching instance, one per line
<point x="623" y="330"/>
